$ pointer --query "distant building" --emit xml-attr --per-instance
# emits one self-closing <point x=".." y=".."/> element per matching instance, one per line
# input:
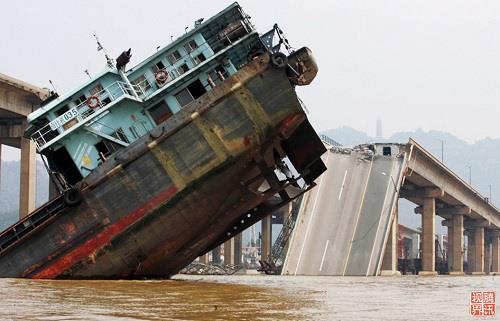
<point x="408" y="243"/>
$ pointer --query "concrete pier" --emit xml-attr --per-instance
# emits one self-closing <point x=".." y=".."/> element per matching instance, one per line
<point x="267" y="235"/>
<point x="428" y="232"/>
<point x="487" y="252"/>
<point x="216" y="255"/>
<point x="495" y="252"/>
<point x="238" y="249"/>
<point x="478" y="251"/>
<point x="229" y="252"/>
<point x="456" y="249"/>
<point x="204" y="258"/>
<point x="28" y="178"/>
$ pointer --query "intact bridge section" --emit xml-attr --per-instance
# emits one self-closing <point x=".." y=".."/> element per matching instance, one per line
<point x="17" y="100"/>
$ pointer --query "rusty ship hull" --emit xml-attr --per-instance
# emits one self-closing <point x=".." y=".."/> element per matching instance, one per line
<point x="190" y="184"/>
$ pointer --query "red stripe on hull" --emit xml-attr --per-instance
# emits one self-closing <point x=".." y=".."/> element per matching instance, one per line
<point x="96" y="242"/>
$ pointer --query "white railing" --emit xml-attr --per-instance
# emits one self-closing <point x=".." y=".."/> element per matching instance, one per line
<point x="80" y="113"/>
<point x="149" y="85"/>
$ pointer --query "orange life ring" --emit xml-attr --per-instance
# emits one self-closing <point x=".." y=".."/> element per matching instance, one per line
<point x="161" y="76"/>
<point x="93" y="102"/>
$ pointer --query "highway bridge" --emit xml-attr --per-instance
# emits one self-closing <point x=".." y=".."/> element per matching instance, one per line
<point x="347" y="225"/>
<point x="17" y="100"/>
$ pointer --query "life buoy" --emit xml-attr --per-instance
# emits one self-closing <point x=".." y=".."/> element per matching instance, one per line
<point x="93" y="102"/>
<point x="161" y="76"/>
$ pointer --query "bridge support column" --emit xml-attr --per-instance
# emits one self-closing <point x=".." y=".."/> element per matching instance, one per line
<point x="457" y="241"/>
<point x="449" y="248"/>
<point x="216" y="255"/>
<point x="487" y="252"/>
<point x="0" y="165"/>
<point x="204" y="258"/>
<point x="267" y="234"/>
<point x="478" y="251"/>
<point x="229" y="247"/>
<point x="428" y="232"/>
<point x="238" y="249"/>
<point x="495" y="253"/>
<point x="390" y="260"/>
<point x="470" y="251"/>
<point x="28" y="178"/>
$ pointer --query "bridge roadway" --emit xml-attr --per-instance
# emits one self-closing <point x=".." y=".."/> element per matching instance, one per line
<point x="347" y="225"/>
<point x="343" y="222"/>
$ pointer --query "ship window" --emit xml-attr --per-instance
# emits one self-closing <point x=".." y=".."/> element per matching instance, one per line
<point x="196" y="89"/>
<point x="106" y="148"/>
<point x="190" y="93"/>
<point x="159" y="66"/>
<point x="106" y="101"/>
<point x="191" y="45"/>
<point x="174" y="56"/>
<point x="141" y="82"/>
<point x="61" y="110"/>
<point x="217" y="75"/>
<point x="183" y="68"/>
<point x="160" y="112"/>
<point x="96" y="90"/>
<point x="184" y="97"/>
<point x="200" y="58"/>
<point x="80" y="100"/>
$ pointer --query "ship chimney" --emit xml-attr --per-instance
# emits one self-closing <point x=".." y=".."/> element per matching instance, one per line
<point x="123" y="59"/>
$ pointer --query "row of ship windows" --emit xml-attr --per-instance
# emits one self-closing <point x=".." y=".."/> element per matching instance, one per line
<point x="184" y="97"/>
<point x="173" y="57"/>
<point x="162" y="111"/>
<point x="169" y="75"/>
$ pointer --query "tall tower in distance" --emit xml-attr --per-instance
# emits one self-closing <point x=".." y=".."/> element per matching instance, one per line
<point x="378" y="134"/>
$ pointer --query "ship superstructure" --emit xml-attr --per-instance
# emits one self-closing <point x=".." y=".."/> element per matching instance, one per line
<point x="79" y="131"/>
<point x="160" y="163"/>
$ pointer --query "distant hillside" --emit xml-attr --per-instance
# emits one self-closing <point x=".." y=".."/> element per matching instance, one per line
<point x="9" y="191"/>
<point x="483" y="157"/>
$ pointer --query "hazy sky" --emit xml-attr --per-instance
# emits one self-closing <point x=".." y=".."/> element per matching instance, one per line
<point x="433" y="64"/>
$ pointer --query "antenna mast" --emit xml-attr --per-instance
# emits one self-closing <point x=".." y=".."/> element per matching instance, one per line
<point x="109" y="61"/>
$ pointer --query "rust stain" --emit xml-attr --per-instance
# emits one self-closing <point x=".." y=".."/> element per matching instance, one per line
<point x="104" y="237"/>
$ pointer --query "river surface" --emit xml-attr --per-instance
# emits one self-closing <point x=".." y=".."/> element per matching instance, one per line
<point x="245" y="297"/>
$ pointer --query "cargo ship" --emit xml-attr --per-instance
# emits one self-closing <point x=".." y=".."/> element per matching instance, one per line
<point x="159" y="163"/>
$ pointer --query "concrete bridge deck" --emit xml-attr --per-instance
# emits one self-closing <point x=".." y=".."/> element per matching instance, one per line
<point x="348" y="224"/>
<point x="17" y="100"/>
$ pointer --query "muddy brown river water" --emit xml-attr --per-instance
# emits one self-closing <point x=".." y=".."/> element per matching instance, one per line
<point x="248" y="297"/>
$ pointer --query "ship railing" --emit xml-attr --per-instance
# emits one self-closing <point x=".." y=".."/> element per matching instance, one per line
<point x="149" y="85"/>
<point x="81" y="113"/>
<point x="329" y="140"/>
